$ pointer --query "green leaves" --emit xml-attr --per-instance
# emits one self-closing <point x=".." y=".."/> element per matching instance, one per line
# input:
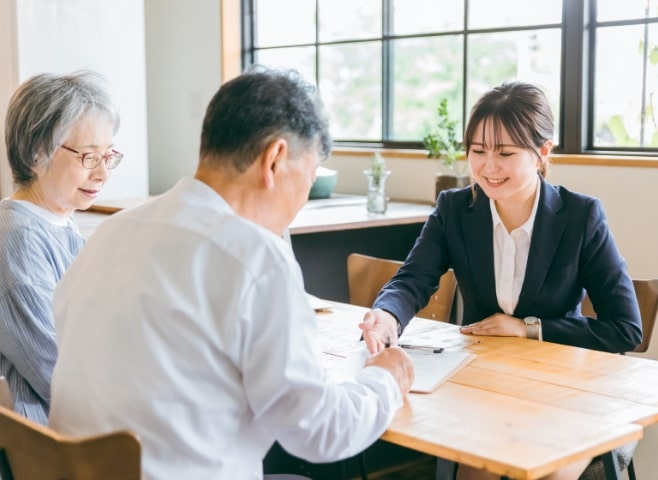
<point x="441" y="142"/>
<point x="377" y="165"/>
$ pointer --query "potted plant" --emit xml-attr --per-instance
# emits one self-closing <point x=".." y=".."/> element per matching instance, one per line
<point x="377" y="175"/>
<point x="441" y="142"/>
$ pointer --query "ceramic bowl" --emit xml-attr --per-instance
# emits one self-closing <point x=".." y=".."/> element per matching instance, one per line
<point x="325" y="183"/>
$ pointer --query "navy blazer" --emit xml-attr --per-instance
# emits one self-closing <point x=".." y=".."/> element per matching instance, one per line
<point x="571" y="251"/>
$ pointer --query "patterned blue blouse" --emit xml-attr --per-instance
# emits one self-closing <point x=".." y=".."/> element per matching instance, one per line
<point x="34" y="254"/>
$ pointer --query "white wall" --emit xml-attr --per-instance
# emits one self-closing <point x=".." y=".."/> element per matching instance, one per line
<point x="8" y="82"/>
<point x="65" y="35"/>
<point x="183" y="73"/>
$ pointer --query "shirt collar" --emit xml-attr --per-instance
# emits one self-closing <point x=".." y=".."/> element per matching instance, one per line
<point x="46" y="215"/>
<point x="529" y="224"/>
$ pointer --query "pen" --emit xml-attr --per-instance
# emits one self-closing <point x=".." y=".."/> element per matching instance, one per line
<point x="420" y="347"/>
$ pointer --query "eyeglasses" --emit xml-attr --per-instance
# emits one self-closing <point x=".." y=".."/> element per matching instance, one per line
<point x="92" y="159"/>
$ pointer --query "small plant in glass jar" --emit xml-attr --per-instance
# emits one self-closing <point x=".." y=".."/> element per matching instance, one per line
<point x="377" y="175"/>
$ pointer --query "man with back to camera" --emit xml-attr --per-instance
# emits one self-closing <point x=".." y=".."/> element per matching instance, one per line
<point x="186" y="320"/>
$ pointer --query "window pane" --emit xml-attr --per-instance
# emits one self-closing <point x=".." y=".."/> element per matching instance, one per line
<point x="619" y="99"/>
<point x="296" y="26"/>
<point x="436" y="16"/>
<point x="349" y="19"/>
<point x="530" y="56"/>
<point x="426" y="70"/>
<point x="608" y="10"/>
<point x="299" y="58"/>
<point x="350" y="85"/>
<point x="510" y="13"/>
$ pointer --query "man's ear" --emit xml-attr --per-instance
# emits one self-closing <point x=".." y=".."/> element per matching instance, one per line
<point x="272" y="158"/>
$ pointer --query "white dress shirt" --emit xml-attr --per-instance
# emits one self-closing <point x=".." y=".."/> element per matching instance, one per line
<point x="511" y="256"/>
<point x="190" y="325"/>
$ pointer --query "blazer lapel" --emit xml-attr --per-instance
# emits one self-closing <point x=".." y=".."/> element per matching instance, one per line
<point x="477" y="237"/>
<point x="546" y="234"/>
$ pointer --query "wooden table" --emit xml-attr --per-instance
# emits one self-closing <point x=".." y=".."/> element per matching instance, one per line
<point x="522" y="408"/>
<point x="349" y="212"/>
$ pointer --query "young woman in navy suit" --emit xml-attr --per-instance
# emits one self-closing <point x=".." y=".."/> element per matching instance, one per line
<point x="524" y="252"/>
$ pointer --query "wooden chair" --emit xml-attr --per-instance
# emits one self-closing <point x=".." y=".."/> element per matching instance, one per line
<point x="5" y="394"/>
<point x="647" y="298"/>
<point x="30" y="451"/>
<point x="366" y="275"/>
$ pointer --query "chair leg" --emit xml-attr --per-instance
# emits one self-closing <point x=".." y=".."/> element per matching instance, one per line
<point x="631" y="470"/>
<point x="341" y="475"/>
<point x="342" y="468"/>
<point x="444" y="469"/>
<point x="5" y="470"/>
<point x="364" y="467"/>
<point x="611" y="466"/>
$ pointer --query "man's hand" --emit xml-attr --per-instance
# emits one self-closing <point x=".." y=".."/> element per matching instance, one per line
<point x="396" y="361"/>
<point x="380" y="328"/>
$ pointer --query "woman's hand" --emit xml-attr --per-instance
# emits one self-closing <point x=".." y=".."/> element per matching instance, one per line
<point x="499" y="325"/>
<point x="380" y="329"/>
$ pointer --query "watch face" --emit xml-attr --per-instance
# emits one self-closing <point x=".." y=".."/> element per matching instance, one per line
<point x="533" y="327"/>
<point x="531" y="320"/>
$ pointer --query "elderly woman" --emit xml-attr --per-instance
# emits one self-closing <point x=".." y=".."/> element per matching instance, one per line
<point x="59" y="134"/>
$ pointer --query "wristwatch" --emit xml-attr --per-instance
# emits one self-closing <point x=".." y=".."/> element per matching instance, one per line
<point x="532" y="327"/>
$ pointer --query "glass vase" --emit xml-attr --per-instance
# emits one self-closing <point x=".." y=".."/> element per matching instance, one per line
<point x="377" y="199"/>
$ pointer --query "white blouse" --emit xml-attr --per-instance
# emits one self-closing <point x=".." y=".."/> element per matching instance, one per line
<point x="511" y="256"/>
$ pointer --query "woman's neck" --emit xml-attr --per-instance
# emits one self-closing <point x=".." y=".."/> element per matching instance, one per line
<point x="515" y="211"/>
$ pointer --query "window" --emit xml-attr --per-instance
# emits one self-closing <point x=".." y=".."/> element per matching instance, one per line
<point x="625" y="71"/>
<point x="382" y="66"/>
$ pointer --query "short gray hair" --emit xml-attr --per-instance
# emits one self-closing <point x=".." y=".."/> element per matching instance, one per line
<point x="42" y="112"/>
<point x="260" y="104"/>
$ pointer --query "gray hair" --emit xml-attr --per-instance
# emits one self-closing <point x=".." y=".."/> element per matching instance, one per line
<point x="42" y="112"/>
<point x="263" y="103"/>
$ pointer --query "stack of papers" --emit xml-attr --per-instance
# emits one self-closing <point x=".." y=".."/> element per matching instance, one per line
<point x="431" y="369"/>
<point x="438" y="354"/>
<point x="430" y="337"/>
<point x="435" y="334"/>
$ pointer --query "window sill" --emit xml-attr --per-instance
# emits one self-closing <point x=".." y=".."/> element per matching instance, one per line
<point x="558" y="159"/>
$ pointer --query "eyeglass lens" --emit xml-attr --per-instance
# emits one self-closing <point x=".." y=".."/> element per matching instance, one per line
<point x="92" y="160"/>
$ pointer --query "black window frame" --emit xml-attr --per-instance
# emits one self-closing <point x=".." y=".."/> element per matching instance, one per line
<point x="576" y="122"/>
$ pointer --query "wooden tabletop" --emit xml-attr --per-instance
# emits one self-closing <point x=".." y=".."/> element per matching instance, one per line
<point x="522" y="408"/>
<point x="349" y="212"/>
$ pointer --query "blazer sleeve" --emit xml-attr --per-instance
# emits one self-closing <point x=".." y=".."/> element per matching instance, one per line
<point x="603" y="273"/>
<point x="409" y="290"/>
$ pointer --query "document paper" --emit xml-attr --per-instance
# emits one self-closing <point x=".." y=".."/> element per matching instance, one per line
<point x="431" y="369"/>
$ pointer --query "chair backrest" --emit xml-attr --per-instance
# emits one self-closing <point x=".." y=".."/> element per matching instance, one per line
<point x="366" y="275"/>
<point x="31" y="451"/>
<point x="6" y="399"/>
<point x="647" y="298"/>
